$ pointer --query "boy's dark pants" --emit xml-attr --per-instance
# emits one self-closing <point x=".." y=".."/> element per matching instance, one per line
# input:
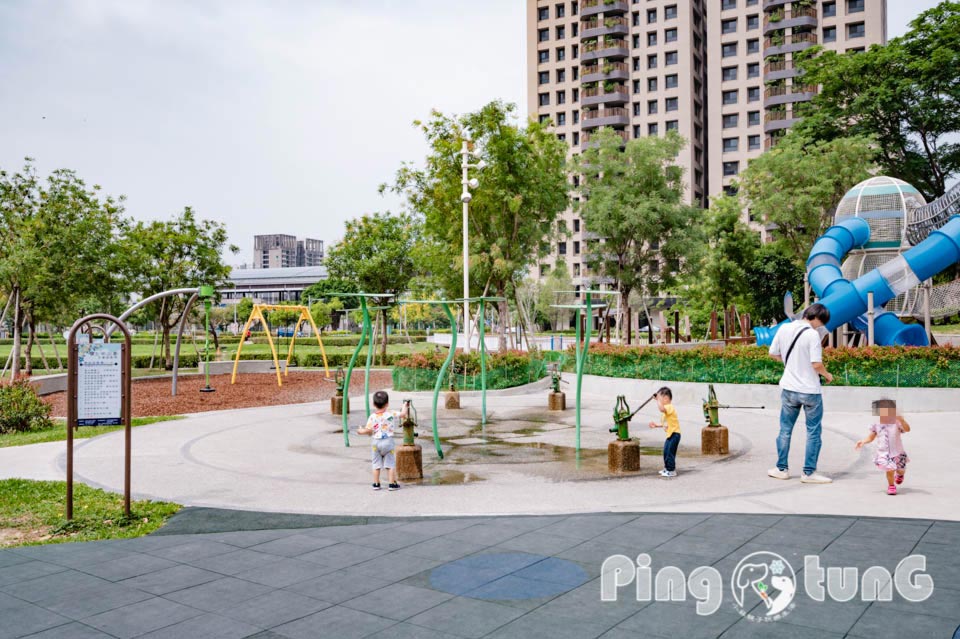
<point x="670" y="451"/>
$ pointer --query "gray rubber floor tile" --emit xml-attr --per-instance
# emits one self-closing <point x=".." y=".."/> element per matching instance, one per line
<point x="827" y="615"/>
<point x="542" y="625"/>
<point x="486" y="534"/>
<point x="140" y="618"/>
<point x="437" y="527"/>
<point x="466" y="617"/>
<point x="218" y="595"/>
<point x="539" y="543"/>
<point x="396" y="566"/>
<point x="879" y="621"/>
<point x="679" y="619"/>
<point x="235" y="562"/>
<point x="192" y="550"/>
<point x="275" y="608"/>
<point x="343" y="555"/>
<point x="285" y="572"/>
<point x="338" y="586"/>
<point x="28" y="569"/>
<point x="206" y="626"/>
<point x="28" y="619"/>
<point x="442" y="549"/>
<point x="293" y="545"/>
<point x="247" y="538"/>
<point x="10" y="558"/>
<point x="172" y="579"/>
<point x="128" y="567"/>
<point x="398" y="601"/>
<point x="746" y="629"/>
<point x="336" y="621"/>
<point x="73" y="630"/>
<point x="409" y="631"/>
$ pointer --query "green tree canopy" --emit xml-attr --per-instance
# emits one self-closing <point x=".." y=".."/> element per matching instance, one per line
<point x="905" y="95"/>
<point x="770" y="276"/>
<point x="514" y="210"/>
<point x="554" y="290"/>
<point x="798" y="184"/>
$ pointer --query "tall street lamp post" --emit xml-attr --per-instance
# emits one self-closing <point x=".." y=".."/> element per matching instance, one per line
<point x="465" y="197"/>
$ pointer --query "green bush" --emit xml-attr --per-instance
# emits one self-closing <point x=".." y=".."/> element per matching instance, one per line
<point x="20" y="408"/>
<point x="504" y="370"/>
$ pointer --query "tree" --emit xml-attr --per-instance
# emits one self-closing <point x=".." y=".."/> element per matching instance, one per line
<point x="731" y="246"/>
<point x="798" y="184"/>
<point x="770" y="276"/>
<point x="522" y="191"/>
<point x="905" y="95"/>
<point x="555" y="289"/>
<point x="633" y="199"/>
<point x="179" y="253"/>
<point x="375" y="256"/>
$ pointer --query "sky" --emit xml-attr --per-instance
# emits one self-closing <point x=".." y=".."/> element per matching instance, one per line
<point x="271" y="116"/>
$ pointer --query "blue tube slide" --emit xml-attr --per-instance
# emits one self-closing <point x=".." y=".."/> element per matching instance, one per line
<point x="847" y="301"/>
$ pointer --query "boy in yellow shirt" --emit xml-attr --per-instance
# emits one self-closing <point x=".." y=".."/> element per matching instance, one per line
<point x="671" y="425"/>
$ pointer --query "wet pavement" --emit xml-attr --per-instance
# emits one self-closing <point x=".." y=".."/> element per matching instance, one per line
<point x="215" y="573"/>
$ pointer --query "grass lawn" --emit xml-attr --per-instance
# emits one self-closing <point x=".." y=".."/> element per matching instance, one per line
<point x="32" y="512"/>
<point x="59" y="432"/>
<point x="950" y="329"/>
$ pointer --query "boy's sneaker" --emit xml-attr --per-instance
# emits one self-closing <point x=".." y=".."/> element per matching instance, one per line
<point x="815" y="478"/>
<point x="393" y="487"/>
<point x="376" y="486"/>
<point x="776" y="473"/>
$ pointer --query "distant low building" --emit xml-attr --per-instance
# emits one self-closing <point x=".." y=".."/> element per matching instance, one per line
<point x="285" y="251"/>
<point x="271" y="285"/>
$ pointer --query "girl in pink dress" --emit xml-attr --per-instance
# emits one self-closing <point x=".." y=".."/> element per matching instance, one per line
<point x="891" y="457"/>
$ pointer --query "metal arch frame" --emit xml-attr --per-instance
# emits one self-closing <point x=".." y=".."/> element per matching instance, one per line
<point x="257" y="314"/>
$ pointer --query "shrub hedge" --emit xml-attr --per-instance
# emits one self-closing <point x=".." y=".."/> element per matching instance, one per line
<point x="21" y="409"/>
<point x="504" y="370"/>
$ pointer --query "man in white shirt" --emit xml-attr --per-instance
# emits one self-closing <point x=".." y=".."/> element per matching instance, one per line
<point x="797" y="345"/>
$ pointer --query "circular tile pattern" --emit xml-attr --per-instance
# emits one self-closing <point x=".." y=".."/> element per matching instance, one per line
<point x="508" y="576"/>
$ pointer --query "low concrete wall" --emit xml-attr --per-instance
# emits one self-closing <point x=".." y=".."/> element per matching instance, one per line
<point x="46" y="384"/>
<point x="246" y="366"/>
<point x="852" y="399"/>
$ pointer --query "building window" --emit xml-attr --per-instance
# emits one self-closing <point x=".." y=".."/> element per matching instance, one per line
<point x="544" y="118"/>
<point x="561" y="32"/>
<point x="576" y="117"/>
<point x="561" y="54"/>
<point x="636" y="18"/>
<point x="728" y="4"/>
<point x="560" y="11"/>
<point x="576" y="95"/>
<point x="637" y="108"/>
<point x="829" y="9"/>
<point x="672" y="104"/>
<point x="856" y="50"/>
<point x="752" y="3"/>
<point x="544" y="99"/>
<point x="636" y="86"/>
<point x="671" y="81"/>
<point x="576" y="269"/>
<point x="652" y="129"/>
<point x="728" y="26"/>
<point x="562" y="119"/>
<point x="753" y="118"/>
<point x="562" y="137"/>
<point x="730" y="97"/>
<point x="753" y="70"/>
<point x="728" y="50"/>
<point x="561" y="97"/>
<point x="652" y="61"/>
<point x="636" y="64"/>
<point x="753" y="46"/>
<point x="731" y="120"/>
<point x="652" y="39"/>
<point x="651" y="16"/>
<point x="753" y="22"/>
<point x="575" y="52"/>
<point x="576" y="247"/>
<point x="543" y="56"/>
<point x="829" y="34"/>
<point x="670" y="35"/>
<point x="543" y="35"/>
<point x="730" y="168"/>
<point x="730" y="189"/>
<point x="670" y="12"/>
<point x="576" y="73"/>
<point x="636" y="131"/>
<point x="636" y="41"/>
<point x="728" y="74"/>
<point x="562" y="75"/>
<point x="857" y="30"/>
<point x="670" y="58"/>
<point x="543" y="77"/>
<point x="753" y="142"/>
<point x="543" y="13"/>
<point x="651" y="84"/>
<point x="855" y="6"/>
<point x="573" y="8"/>
<point x="753" y="94"/>
<point x="731" y="145"/>
<point x="673" y="125"/>
<point x="576" y="226"/>
<point x="652" y="107"/>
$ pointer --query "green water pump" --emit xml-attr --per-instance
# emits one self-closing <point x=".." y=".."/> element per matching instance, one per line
<point x="409" y="423"/>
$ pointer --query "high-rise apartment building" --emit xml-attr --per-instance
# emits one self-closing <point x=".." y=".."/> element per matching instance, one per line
<point x="283" y="251"/>
<point x="753" y="84"/>
<point x="720" y="72"/>
<point x="637" y="67"/>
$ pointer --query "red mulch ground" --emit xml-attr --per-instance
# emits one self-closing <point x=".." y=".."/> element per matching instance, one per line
<point x="152" y="396"/>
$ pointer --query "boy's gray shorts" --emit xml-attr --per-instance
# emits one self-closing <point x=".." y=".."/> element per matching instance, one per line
<point x="382" y="454"/>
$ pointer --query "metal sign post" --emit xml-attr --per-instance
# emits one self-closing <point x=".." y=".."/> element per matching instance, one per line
<point x="98" y="392"/>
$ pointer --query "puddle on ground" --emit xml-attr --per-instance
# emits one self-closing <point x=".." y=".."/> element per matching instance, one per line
<point x="446" y="477"/>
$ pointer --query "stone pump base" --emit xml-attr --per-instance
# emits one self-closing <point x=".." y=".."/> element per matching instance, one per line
<point x="409" y="462"/>
<point x="623" y="456"/>
<point x="714" y="440"/>
<point x="557" y="401"/>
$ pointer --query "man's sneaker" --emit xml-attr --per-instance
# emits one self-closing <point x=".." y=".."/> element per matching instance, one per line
<point x="663" y="473"/>
<point x="815" y="478"/>
<point x="891" y="490"/>
<point x="670" y="473"/>
<point x="376" y="486"/>
<point x="776" y="473"/>
<point x="393" y="487"/>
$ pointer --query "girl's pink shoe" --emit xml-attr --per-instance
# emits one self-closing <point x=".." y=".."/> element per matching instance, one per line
<point x="899" y="478"/>
<point x="891" y="490"/>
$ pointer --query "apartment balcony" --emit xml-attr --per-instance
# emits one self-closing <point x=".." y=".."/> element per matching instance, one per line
<point x="771" y="141"/>
<point x="596" y="118"/>
<point x="770" y="4"/>
<point x="776" y="20"/>
<point x="607" y="7"/>
<point x="778" y="120"/>
<point x="597" y="95"/>
<point x="601" y="72"/>
<point x="789" y="44"/>
<point x="781" y="70"/>
<point x="605" y="26"/>
<point x="788" y="95"/>
<point x="586" y="143"/>
<point x="604" y="48"/>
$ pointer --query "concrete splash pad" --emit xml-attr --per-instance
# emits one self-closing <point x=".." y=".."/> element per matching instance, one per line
<point x="292" y="459"/>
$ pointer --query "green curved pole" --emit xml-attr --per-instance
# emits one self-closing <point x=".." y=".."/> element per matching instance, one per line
<point x="583" y="362"/>
<point x="579" y="372"/>
<point x="483" y="367"/>
<point x="442" y="375"/>
<point x="346" y="381"/>
<point x="366" y="379"/>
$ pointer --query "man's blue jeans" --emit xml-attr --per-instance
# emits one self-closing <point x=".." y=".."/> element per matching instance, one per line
<point x="790" y="405"/>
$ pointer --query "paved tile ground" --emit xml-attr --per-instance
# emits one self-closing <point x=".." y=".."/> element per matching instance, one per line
<point x="523" y="577"/>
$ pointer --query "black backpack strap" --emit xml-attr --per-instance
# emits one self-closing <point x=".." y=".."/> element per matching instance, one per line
<point x="794" y="343"/>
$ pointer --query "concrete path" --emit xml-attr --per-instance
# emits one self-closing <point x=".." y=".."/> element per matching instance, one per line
<point x="424" y="578"/>
<point x="292" y="459"/>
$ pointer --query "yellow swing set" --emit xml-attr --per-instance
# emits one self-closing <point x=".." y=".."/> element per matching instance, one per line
<point x="258" y="314"/>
